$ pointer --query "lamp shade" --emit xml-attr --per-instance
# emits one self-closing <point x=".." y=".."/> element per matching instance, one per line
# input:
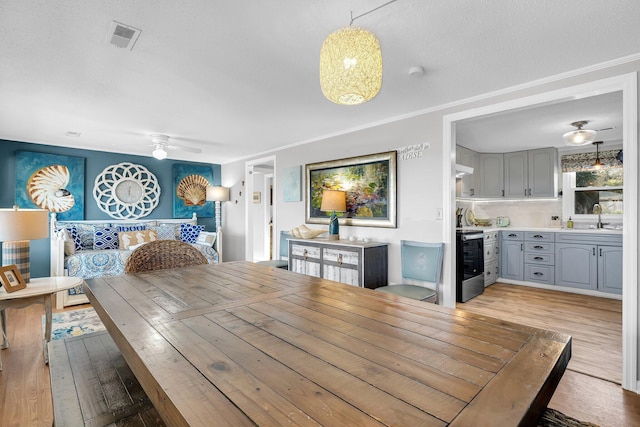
<point x="334" y="200"/>
<point x="159" y="153"/>
<point x="580" y="137"/>
<point x="23" y="224"/>
<point x="350" y="66"/>
<point x="217" y="194"/>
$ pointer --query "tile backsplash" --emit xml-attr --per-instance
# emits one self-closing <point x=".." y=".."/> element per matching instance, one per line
<point x="523" y="213"/>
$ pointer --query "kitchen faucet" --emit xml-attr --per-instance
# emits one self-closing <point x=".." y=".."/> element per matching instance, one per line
<point x="597" y="209"/>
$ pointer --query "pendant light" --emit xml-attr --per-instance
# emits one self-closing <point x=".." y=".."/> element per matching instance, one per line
<point x="579" y="136"/>
<point x="597" y="164"/>
<point x="351" y="64"/>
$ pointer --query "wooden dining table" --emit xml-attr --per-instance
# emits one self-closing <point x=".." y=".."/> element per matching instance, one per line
<point x="240" y="344"/>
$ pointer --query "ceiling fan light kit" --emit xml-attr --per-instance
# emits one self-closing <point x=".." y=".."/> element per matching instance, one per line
<point x="159" y="152"/>
<point x="579" y="136"/>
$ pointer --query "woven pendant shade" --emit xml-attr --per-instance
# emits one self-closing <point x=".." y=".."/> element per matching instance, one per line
<point x="350" y="66"/>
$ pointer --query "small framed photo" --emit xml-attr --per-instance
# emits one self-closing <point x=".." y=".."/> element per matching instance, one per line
<point x="11" y="278"/>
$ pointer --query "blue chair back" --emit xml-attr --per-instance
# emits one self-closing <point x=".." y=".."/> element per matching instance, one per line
<point x="421" y="261"/>
<point x="284" y="244"/>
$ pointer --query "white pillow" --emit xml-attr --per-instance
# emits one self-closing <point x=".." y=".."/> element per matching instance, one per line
<point x="134" y="247"/>
<point x="69" y="245"/>
<point x="206" y="238"/>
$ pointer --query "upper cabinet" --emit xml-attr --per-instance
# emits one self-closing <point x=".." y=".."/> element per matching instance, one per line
<point x="467" y="186"/>
<point x="517" y="175"/>
<point x="491" y="175"/>
<point x="543" y="172"/>
<point x="531" y="173"/>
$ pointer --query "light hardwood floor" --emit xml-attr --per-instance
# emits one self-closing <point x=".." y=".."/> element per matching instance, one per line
<point x="25" y="394"/>
<point x="590" y="388"/>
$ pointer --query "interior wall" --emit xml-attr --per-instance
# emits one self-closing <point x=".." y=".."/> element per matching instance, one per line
<point x="95" y="162"/>
<point x="420" y="181"/>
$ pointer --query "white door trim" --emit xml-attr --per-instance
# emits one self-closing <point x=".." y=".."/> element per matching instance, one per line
<point x="627" y="83"/>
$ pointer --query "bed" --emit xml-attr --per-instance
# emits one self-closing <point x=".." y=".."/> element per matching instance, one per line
<point x="100" y="248"/>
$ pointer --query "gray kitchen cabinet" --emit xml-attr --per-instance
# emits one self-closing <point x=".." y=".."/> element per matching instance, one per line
<point x="491" y="175"/>
<point x="531" y="173"/>
<point x="512" y="255"/>
<point x="516" y="174"/>
<point x="491" y="254"/>
<point x="589" y="261"/>
<point x="610" y="269"/>
<point x="543" y="172"/>
<point x="468" y="184"/>
<point x="353" y="263"/>
<point x="576" y="266"/>
<point x="539" y="260"/>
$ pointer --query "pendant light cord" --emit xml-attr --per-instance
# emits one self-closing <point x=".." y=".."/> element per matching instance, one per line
<point x="372" y="10"/>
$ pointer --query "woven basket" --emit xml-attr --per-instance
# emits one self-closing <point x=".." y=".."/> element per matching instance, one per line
<point x="163" y="254"/>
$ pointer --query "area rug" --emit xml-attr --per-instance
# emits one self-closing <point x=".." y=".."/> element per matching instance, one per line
<point x="555" y="418"/>
<point x="74" y="323"/>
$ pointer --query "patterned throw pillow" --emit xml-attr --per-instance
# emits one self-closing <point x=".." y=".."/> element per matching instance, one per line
<point x="206" y="238"/>
<point x="131" y="227"/>
<point x="130" y="238"/>
<point x="105" y="237"/>
<point x="167" y="231"/>
<point x="85" y="233"/>
<point x="75" y="236"/>
<point x="189" y="232"/>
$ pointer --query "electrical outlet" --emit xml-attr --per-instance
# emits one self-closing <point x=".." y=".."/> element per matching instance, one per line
<point x="438" y="214"/>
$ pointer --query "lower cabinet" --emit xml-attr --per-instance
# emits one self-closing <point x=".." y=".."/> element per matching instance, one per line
<point x="491" y="254"/>
<point x="596" y="267"/>
<point x="512" y="255"/>
<point x="352" y="263"/>
<point x="578" y="260"/>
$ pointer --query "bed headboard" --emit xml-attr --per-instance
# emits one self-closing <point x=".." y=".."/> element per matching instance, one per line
<point x="57" y="243"/>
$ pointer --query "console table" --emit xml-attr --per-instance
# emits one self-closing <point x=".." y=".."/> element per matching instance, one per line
<point x="38" y="291"/>
<point x="353" y="263"/>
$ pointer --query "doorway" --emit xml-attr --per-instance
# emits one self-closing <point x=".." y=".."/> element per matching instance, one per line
<point x="261" y="208"/>
<point x="627" y="84"/>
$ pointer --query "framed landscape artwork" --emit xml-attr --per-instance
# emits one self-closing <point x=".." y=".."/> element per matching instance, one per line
<point x="370" y="186"/>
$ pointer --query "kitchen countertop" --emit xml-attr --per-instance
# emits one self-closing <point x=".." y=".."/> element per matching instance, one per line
<point x="547" y="229"/>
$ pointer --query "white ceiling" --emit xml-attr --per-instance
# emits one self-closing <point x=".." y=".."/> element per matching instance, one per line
<point x="240" y="77"/>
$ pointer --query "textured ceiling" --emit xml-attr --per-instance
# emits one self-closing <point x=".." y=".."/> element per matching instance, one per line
<point x="240" y="77"/>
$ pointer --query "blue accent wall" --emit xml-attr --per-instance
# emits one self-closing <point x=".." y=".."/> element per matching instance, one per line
<point x="95" y="162"/>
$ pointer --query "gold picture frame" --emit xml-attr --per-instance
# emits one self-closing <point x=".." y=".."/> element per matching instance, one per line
<point x="11" y="278"/>
<point x="370" y="185"/>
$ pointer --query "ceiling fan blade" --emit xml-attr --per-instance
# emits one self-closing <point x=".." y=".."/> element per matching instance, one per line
<point x="600" y="130"/>
<point x="181" y="148"/>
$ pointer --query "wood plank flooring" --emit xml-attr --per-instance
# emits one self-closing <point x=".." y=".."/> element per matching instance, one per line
<point x="589" y="389"/>
<point x="594" y="323"/>
<point x="25" y="392"/>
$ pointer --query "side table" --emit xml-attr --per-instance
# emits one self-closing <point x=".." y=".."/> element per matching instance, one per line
<point x="38" y="291"/>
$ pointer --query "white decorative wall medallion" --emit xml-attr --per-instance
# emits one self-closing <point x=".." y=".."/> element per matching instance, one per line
<point x="126" y="191"/>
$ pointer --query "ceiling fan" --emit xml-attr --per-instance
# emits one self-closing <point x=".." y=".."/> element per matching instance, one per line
<point x="581" y="136"/>
<point x="162" y="144"/>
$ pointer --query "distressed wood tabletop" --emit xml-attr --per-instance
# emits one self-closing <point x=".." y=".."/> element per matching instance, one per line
<point x="238" y="343"/>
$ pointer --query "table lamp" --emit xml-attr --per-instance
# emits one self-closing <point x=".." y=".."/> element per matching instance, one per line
<point x="217" y="194"/>
<point x="334" y="201"/>
<point x="17" y="228"/>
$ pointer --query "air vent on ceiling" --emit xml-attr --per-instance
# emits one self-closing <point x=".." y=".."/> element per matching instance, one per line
<point x="122" y="35"/>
